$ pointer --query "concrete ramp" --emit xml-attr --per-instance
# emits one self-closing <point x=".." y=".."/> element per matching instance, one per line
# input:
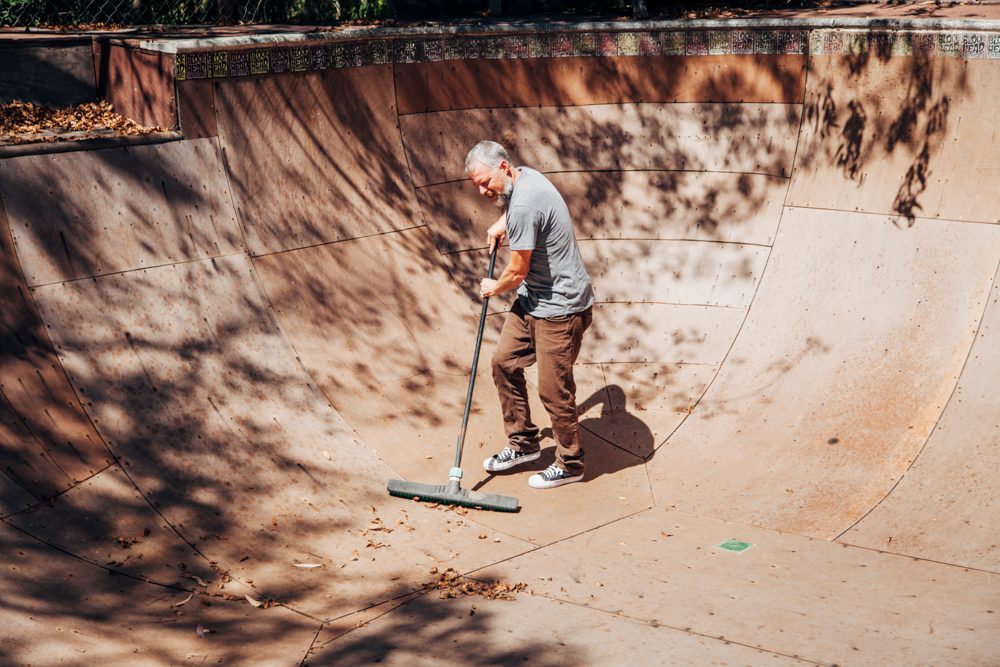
<point x="215" y="352"/>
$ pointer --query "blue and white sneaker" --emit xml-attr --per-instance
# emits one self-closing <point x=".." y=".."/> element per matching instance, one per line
<point x="508" y="458"/>
<point x="552" y="477"/>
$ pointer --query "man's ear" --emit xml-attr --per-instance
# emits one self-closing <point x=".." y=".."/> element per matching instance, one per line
<point x="505" y="168"/>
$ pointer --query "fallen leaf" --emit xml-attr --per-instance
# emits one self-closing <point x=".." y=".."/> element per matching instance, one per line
<point x="326" y="455"/>
<point x="188" y="575"/>
<point x="252" y="601"/>
<point x="483" y="536"/>
<point x="185" y="600"/>
<point x="597" y="583"/>
<point x="307" y="565"/>
<point x="201" y="631"/>
<point x="428" y="456"/>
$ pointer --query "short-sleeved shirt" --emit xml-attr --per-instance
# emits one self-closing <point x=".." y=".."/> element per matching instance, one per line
<point x="538" y="220"/>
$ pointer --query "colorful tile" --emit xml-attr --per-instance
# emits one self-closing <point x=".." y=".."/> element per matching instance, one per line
<point x="197" y="65"/>
<point x="925" y="45"/>
<point x="319" y="56"/>
<point x="973" y="46"/>
<point x="281" y="60"/>
<point x="381" y="52"/>
<point x="787" y="42"/>
<point x="765" y="42"/>
<point x="474" y="47"/>
<point x="434" y="50"/>
<point x="902" y="45"/>
<point x="994" y="48"/>
<point x="674" y="43"/>
<point x="239" y="63"/>
<point x="628" y="44"/>
<point x="816" y="43"/>
<point x="880" y="44"/>
<point x="696" y="44"/>
<point x="517" y="46"/>
<point x="539" y="46"/>
<point x="855" y="43"/>
<point x="741" y="42"/>
<point x="358" y="54"/>
<point x="649" y="44"/>
<point x="406" y="51"/>
<point x="584" y="44"/>
<point x="606" y="44"/>
<point x="338" y="55"/>
<point x="833" y="44"/>
<point x="180" y="67"/>
<point x="454" y="48"/>
<point x="949" y="44"/>
<point x="300" y="58"/>
<point x="803" y="42"/>
<point x="496" y="47"/>
<point x="562" y="46"/>
<point x="260" y="61"/>
<point x="720" y="43"/>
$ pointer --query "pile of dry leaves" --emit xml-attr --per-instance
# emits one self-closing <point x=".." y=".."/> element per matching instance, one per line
<point x="27" y="122"/>
<point x="451" y="587"/>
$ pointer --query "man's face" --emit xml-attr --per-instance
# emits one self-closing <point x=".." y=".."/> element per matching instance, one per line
<point x="495" y="185"/>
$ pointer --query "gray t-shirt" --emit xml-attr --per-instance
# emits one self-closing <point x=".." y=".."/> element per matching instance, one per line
<point x="538" y="220"/>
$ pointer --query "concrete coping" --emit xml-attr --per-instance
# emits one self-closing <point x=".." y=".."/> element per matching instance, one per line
<point x="239" y="41"/>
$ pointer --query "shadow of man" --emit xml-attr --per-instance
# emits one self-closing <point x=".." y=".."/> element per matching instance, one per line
<point x="615" y="424"/>
<point x="613" y="441"/>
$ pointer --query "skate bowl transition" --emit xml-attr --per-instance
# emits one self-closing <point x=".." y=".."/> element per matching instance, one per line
<point x="217" y="349"/>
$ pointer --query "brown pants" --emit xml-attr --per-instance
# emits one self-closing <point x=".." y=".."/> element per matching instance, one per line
<point x="555" y="344"/>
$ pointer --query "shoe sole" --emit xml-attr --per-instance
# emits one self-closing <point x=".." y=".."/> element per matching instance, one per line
<point x="491" y="465"/>
<point x="551" y="485"/>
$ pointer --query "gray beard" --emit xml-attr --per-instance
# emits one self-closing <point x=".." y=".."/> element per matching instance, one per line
<point x="503" y="196"/>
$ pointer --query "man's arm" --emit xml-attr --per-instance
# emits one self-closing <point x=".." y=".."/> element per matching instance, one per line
<point x="511" y="277"/>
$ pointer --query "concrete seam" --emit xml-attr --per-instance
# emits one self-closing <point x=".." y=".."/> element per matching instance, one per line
<point x="334" y="242"/>
<point x="930" y="434"/>
<point x="763" y="272"/>
<point x="141" y="268"/>
<point x="629" y="171"/>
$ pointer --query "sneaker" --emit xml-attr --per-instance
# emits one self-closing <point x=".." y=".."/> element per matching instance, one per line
<point x="508" y="458"/>
<point x="552" y="477"/>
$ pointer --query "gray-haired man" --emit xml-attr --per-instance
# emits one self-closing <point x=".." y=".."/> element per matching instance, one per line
<point x="546" y="323"/>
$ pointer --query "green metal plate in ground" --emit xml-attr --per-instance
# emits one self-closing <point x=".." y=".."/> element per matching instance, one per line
<point x="735" y="546"/>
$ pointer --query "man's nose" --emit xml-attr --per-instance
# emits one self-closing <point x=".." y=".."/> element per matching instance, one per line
<point x="483" y="190"/>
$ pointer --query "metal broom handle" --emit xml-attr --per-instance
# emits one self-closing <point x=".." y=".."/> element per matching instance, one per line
<point x="475" y="365"/>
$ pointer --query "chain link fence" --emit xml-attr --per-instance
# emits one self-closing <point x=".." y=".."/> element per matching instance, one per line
<point x="54" y="13"/>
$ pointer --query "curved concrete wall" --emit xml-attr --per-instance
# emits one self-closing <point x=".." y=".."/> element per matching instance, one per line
<point x="794" y="257"/>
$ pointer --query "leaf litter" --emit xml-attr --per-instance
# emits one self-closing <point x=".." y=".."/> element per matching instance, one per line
<point x="451" y="585"/>
<point x="25" y="122"/>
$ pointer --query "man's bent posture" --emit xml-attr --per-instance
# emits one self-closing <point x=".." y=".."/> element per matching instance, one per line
<point x="546" y="324"/>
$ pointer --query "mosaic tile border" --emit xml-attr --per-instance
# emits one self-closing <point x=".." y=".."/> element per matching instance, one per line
<point x="279" y="59"/>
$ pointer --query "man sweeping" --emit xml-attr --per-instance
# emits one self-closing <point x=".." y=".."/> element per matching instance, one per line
<point x="546" y="324"/>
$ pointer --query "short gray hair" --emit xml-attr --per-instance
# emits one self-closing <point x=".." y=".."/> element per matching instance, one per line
<point x="487" y="153"/>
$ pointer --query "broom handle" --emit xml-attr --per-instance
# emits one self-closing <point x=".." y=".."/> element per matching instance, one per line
<point x="475" y="365"/>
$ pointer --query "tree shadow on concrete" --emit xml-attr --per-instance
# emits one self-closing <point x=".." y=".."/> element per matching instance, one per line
<point x="429" y="631"/>
<point x="858" y="124"/>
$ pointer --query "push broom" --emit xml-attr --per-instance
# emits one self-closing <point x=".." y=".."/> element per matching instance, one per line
<point x="452" y="493"/>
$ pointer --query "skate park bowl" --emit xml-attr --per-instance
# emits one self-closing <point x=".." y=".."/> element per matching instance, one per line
<point x="217" y="349"/>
